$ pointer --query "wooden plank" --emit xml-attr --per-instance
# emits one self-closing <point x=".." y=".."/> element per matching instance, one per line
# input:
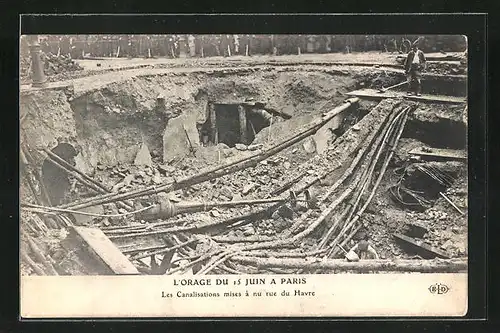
<point x="101" y="246"/>
<point x="437" y="57"/>
<point x="213" y="124"/>
<point x="450" y="154"/>
<point x="59" y="85"/>
<point x="423" y="248"/>
<point x="242" y="113"/>
<point x="372" y="93"/>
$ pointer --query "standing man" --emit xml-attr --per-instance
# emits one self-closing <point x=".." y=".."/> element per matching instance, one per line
<point x="236" y="40"/>
<point x="123" y="44"/>
<point x="414" y="65"/>
<point x="224" y="45"/>
<point x="103" y="46"/>
<point x="216" y="40"/>
<point x="169" y="46"/>
<point x="192" y="46"/>
<point x="230" y="44"/>
<point x="311" y="41"/>
<point x="246" y="45"/>
<point x="198" y="45"/>
<point x="147" y="47"/>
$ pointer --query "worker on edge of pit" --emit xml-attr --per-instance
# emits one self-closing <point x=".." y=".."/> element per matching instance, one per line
<point x="363" y="249"/>
<point x="414" y="65"/>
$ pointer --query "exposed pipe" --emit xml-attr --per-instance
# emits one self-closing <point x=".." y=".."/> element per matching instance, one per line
<point x="296" y="238"/>
<point x="167" y="209"/>
<point x="290" y="231"/>
<point x="365" y="178"/>
<point x="422" y="266"/>
<point x="346" y="174"/>
<point x="381" y="174"/>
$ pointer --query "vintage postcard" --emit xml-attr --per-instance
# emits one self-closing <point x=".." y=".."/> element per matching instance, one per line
<point x="243" y="175"/>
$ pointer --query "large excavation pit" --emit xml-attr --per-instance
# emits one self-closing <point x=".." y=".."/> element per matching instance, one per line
<point x="213" y="171"/>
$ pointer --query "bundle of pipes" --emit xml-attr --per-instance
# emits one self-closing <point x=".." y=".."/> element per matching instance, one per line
<point x="436" y="174"/>
<point x="363" y="152"/>
<point x="164" y="210"/>
<point x="391" y="139"/>
<point x="138" y="231"/>
<point x="363" y="142"/>
<point x="389" y="136"/>
<point x="218" y="171"/>
<point x="168" y="209"/>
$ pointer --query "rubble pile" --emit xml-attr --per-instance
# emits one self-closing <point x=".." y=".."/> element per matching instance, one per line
<point x="53" y="66"/>
<point x="59" y="64"/>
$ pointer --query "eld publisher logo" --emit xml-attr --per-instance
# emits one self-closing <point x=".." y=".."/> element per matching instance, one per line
<point x="439" y="289"/>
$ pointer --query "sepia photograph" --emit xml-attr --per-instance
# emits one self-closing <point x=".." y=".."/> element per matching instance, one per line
<point x="238" y="160"/>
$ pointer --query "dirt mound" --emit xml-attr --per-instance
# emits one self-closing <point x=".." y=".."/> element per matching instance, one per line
<point x="59" y="64"/>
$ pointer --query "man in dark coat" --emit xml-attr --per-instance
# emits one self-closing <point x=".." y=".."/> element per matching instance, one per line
<point x="414" y="65"/>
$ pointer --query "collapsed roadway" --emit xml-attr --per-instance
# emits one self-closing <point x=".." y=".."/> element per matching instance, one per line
<point x="242" y="170"/>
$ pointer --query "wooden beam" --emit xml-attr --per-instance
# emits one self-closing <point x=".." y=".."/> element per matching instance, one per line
<point x="243" y="124"/>
<point x="213" y="124"/>
<point x="423" y="248"/>
<point x="58" y="85"/>
<point x="437" y="153"/>
<point x="101" y="248"/>
<point x="444" y="57"/>
<point x="374" y="94"/>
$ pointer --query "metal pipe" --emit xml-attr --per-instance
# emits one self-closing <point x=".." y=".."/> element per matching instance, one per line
<point x="167" y="209"/>
<point x="451" y="203"/>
